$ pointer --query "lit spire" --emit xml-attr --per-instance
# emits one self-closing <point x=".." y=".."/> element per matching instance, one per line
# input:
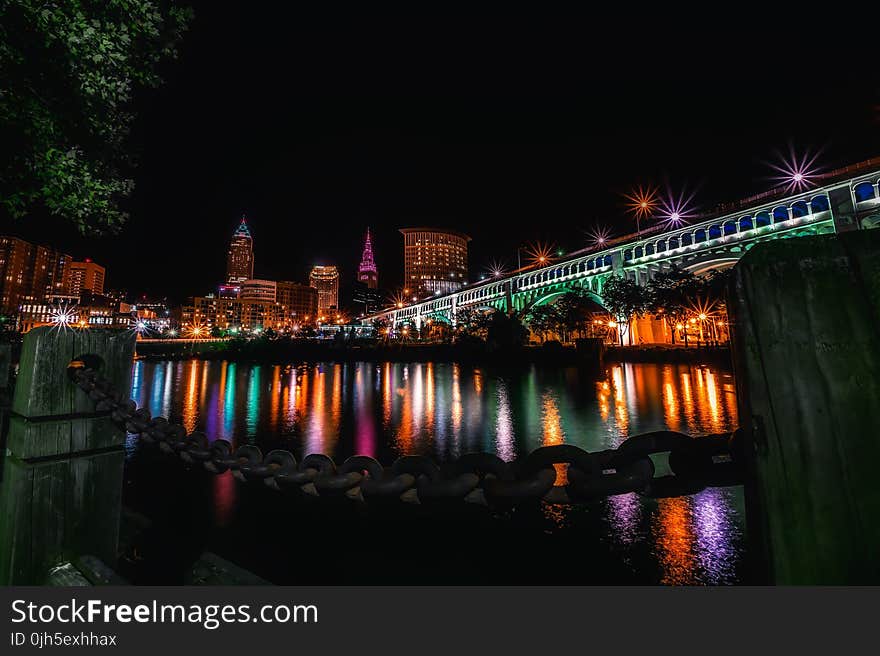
<point x="243" y="230"/>
<point x="367" y="270"/>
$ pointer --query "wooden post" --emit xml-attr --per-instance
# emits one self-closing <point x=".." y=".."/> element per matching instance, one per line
<point x="806" y="339"/>
<point x="62" y="474"/>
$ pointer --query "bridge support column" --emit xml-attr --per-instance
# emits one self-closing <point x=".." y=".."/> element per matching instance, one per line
<point x="843" y="209"/>
<point x="62" y="473"/>
<point x="807" y="357"/>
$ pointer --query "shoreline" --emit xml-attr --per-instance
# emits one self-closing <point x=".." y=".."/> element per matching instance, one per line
<point x="557" y="355"/>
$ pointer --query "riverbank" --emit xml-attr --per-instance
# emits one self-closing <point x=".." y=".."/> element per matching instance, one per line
<point x="284" y="351"/>
<point x="666" y="353"/>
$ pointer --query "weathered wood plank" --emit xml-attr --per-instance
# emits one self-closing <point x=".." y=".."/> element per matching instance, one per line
<point x="44" y="438"/>
<point x="16" y="561"/>
<point x="43" y="388"/>
<point x="94" y="506"/>
<point x="55" y="510"/>
<point x="807" y="345"/>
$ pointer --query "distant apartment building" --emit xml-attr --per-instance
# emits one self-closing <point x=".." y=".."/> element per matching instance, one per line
<point x="325" y="279"/>
<point x="298" y="302"/>
<point x="294" y="310"/>
<point x="435" y="260"/>
<point x="29" y="273"/>
<point x="258" y="290"/>
<point x="85" y="276"/>
<point x="85" y="310"/>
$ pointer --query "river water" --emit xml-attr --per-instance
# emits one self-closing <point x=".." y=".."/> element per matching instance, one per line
<point x="444" y="410"/>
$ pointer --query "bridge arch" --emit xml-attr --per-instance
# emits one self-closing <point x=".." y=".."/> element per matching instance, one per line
<point x="554" y="292"/>
<point x="718" y="263"/>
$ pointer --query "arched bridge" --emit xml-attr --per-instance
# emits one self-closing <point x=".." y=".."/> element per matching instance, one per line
<point x="849" y="200"/>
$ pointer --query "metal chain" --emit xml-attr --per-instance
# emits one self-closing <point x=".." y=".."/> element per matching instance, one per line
<point x="696" y="463"/>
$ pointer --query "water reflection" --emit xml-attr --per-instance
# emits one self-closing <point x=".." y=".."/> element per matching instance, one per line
<point x="444" y="410"/>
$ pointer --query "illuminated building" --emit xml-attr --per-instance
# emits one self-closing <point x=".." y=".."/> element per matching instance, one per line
<point x="258" y="290"/>
<point x="325" y="279"/>
<point x="435" y="260"/>
<point x="297" y="303"/>
<point x="28" y="273"/>
<point x="296" y="307"/>
<point x="212" y="312"/>
<point x="240" y="258"/>
<point x="154" y="314"/>
<point x="85" y="276"/>
<point x="367" y="273"/>
<point x="231" y="290"/>
<point x="85" y="310"/>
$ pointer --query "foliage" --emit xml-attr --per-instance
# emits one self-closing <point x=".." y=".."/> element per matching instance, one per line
<point x="571" y="315"/>
<point x="544" y="320"/>
<point x="624" y="299"/>
<point x="506" y="331"/>
<point x="471" y="322"/>
<point x="68" y="71"/>
<point x="671" y="294"/>
<point x="677" y="295"/>
<point x="576" y="310"/>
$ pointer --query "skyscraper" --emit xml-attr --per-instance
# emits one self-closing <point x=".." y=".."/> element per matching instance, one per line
<point x="85" y="276"/>
<point x="240" y="259"/>
<point x="326" y="280"/>
<point x="435" y="260"/>
<point x="367" y="272"/>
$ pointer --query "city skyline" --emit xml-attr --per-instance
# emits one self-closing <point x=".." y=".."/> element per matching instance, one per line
<point x="548" y="144"/>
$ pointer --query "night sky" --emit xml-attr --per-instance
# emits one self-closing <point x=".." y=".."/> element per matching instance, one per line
<point x="317" y="126"/>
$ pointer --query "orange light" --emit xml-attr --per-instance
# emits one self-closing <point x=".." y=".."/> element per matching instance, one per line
<point x="642" y="201"/>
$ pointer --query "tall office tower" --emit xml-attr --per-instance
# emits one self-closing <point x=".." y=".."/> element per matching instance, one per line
<point x="435" y="260"/>
<point x="240" y="259"/>
<point x="85" y="276"/>
<point x="326" y="280"/>
<point x="29" y="273"/>
<point x="367" y="272"/>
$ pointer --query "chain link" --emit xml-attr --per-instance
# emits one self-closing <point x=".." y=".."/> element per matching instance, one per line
<point x="695" y="463"/>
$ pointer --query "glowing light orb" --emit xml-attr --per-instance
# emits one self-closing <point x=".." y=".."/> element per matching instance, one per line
<point x="599" y="236"/>
<point x="496" y="269"/>
<point x="63" y="317"/>
<point x="676" y="209"/>
<point x="641" y="201"/>
<point x="540" y="253"/>
<point x="795" y="172"/>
